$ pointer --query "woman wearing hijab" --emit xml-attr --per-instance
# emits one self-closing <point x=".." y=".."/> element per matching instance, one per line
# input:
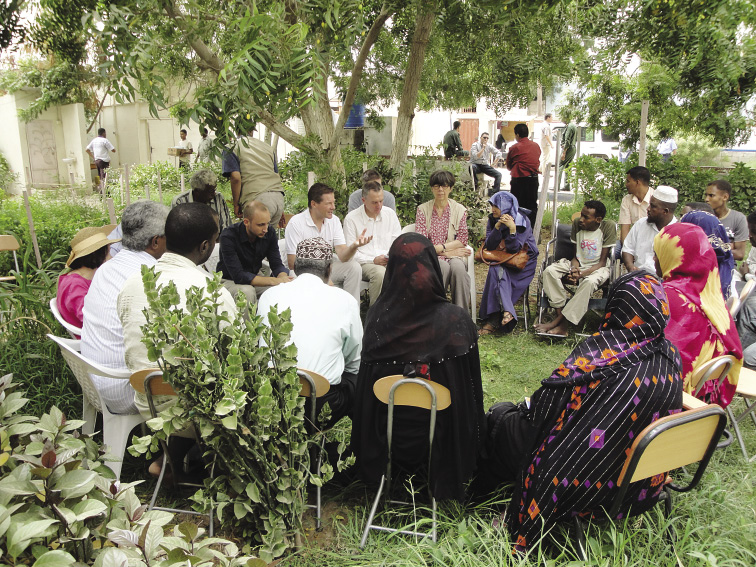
<point x="565" y="448"/>
<point x="412" y="329"/>
<point x="720" y="242"/>
<point x="90" y="249"/>
<point x="504" y="285"/>
<point x="700" y="326"/>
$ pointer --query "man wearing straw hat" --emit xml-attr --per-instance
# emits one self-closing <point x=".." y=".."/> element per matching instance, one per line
<point x="143" y="224"/>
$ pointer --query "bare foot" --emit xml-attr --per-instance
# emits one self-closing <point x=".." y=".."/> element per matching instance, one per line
<point x="545" y="327"/>
<point x="560" y="329"/>
<point x="156" y="466"/>
<point x="506" y="318"/>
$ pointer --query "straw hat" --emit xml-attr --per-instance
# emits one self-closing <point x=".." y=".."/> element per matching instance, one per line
<point x="89" y="239"/>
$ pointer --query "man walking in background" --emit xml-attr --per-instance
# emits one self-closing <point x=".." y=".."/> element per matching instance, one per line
<point x="547" y="144"/>
<point x="98" y="150"/>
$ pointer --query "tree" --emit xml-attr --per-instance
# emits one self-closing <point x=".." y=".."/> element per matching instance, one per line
<point x="698" y="67"/>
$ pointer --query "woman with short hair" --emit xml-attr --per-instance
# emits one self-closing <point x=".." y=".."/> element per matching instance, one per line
<point x="443" y="221"/>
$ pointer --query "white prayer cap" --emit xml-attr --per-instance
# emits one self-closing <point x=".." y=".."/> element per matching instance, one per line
<point x="666" y="193"/>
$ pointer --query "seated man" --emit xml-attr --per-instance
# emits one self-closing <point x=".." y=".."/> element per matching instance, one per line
<point x="143" y="225"/>
<point x="717" y="195"/>
<point x="355" y="199"/>
<point x="594" y="239"/>
<point x="383" y="225"/>
<point x="480" y="158"/>
<point x="453" y="143"/>
<point x="318" y="221"/>
<point x="638" y="250"/>
<point x="203" y="184"/>
<point x="243" y="247"/>
<point x="190" y="236"/>
<point x="327" y="328"/>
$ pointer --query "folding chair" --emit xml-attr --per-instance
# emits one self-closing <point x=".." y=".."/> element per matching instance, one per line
<point x="714" y="370"/>
<point x="115" y="427"/>
<point x="746" y="389"/>
<point x="415" y="392"/>
<point x="314" y="386"/>
<point x="668" y="443"/>
<point x="733" y="305"/>
<point x="9" y="243"/>
<point x="150" y="383"/>
<point x="73" y="330"/>
<point x="470" y="272"/>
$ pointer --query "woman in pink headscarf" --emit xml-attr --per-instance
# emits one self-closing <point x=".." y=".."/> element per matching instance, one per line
<point x="700" y="325"/>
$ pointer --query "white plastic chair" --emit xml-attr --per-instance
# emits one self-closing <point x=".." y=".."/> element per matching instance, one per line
<point x="73" y="330"/>
<point x="470" y="272"/>
<point x="116" y="428"/>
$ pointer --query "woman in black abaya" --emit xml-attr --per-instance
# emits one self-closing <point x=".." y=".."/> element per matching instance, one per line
<point x="413" y="329"/>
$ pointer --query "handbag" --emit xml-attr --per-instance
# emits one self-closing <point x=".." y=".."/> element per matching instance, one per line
<point x="512" y="260"/>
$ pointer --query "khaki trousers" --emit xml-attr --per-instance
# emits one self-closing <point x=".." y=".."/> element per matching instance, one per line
<point x="457" y="279"/>
<point x="347" y="276"/>
<point x="573" y="310"/>
<point x="373" y="274"/>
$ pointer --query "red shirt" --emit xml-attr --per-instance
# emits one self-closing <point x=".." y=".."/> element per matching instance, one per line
<point x="523" y="158"/>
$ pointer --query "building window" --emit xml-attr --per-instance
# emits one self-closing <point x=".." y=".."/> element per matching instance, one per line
<point x="469" y="110"/>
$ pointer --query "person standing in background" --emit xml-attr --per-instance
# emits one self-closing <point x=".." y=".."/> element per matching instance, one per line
<point x="203" y="150"/>
<point x="186" y="146"/>
<point x="98" y="150"/>
<point x="667" y="148"/>
<point x="547" y="143"/>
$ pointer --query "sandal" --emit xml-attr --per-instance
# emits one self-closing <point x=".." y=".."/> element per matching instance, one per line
<point x="486" y="329"/>
<point x="506" y="318"/>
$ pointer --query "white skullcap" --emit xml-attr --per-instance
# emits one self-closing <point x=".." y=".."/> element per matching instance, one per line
<point x="666" y="193"/>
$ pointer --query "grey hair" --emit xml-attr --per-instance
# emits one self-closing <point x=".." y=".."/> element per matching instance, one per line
<point x="202" y="178"/>
<point x="141" y="222"/>
<point x="371" y="186"/>
<point x="320" y="268"/>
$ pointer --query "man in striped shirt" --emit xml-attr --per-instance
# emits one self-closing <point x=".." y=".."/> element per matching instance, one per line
<point x="143" y="224"/>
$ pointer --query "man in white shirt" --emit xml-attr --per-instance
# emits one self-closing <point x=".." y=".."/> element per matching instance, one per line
<point x="191" y="232"/>
<point x="186" y="147"/>
<point x="143" y="226"/>
<point x="318" y="221"/>
<point x="638" y="249"/>
<point x="667" y="148"/>
<point x="98" y="150"/>
<point x="480" y="158"/>
<point x="380" y="222"/>
<point x="327" y="328"/>
<point x="547" y="144"/>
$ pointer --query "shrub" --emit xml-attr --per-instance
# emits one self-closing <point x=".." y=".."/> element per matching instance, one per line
<point x="7" y="177"/>
<point x="59" y="503"/>
<point x="237" y="384"/>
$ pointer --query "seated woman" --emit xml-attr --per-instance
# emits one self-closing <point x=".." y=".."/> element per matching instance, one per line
<point x="412" y="328"/>
<point x="90" y="249"/>
<point x="444" y="222"/>
<point x="505" y="285"/>
<point x="720" y="242"/>
<point x="700" y="325"/>
<point x="565" y="446"/>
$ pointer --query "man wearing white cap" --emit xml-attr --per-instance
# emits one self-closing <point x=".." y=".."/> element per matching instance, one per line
<point x="638" y="249"/>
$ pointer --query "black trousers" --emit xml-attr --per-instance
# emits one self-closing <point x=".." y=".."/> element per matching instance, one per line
<point x="526" y="191"/>
<point x="340" y="398"/>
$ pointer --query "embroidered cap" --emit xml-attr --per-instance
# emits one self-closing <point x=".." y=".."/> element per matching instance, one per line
<point x="314" y="249"/>
<point x="666" y="194"/>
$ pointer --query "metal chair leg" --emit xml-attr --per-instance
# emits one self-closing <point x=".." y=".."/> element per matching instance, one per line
<point x="373" y="510"/>
<point x="580" y="539"/>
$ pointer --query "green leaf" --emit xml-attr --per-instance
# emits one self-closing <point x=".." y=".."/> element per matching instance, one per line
<point x="89" y="508"/>
<point x="189" y="530"/>
<point x="76" y="483"/>
<point x="22" y="532"/>
<point x="55" y="558"/>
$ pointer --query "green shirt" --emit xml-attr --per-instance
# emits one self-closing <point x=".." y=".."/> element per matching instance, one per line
<point x="452" y="141"/>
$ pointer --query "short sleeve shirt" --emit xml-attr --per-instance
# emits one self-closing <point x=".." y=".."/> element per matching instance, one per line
<point x="735" y="222"/>
<point x="301" y="227"/>
<point x="632" y="210"/>
<point x="100" y="147"/>
<point x="588" y="244"/>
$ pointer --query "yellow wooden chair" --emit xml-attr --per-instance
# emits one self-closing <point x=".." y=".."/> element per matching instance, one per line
<point x="415" y="392"/>
<point x="668" y="443"/>
<point x="314" y="386"/>
<point x="150" y="383"/>
<point x="9" y="243"/>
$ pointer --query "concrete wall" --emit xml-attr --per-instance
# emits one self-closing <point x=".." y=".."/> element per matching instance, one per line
<point x="10" y="141"/>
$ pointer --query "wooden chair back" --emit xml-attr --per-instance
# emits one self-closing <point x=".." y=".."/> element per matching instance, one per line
<point x="410" y="394"/>
<point x="8" y="243"/>
<point x="672" y="442"/>
<point x="321" y="384"/>
<point x="715" y="369"/>
<point x="156" y="386"/>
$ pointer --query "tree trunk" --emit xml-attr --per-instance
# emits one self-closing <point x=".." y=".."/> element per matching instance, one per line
<point x="424" y="24"/>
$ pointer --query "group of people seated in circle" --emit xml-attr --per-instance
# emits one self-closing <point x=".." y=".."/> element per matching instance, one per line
<point x="562" y="448"/>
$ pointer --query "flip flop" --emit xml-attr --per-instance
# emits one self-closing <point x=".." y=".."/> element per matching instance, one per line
<point x="487" y="329"/>
<point x="551" y="335"/>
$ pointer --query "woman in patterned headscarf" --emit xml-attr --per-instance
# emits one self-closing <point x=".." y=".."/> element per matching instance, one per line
<point x="720" y="242"/>
<point x="700" y="325"/>
<point x="504" y="286"/>
<point x="566" y="447"/>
